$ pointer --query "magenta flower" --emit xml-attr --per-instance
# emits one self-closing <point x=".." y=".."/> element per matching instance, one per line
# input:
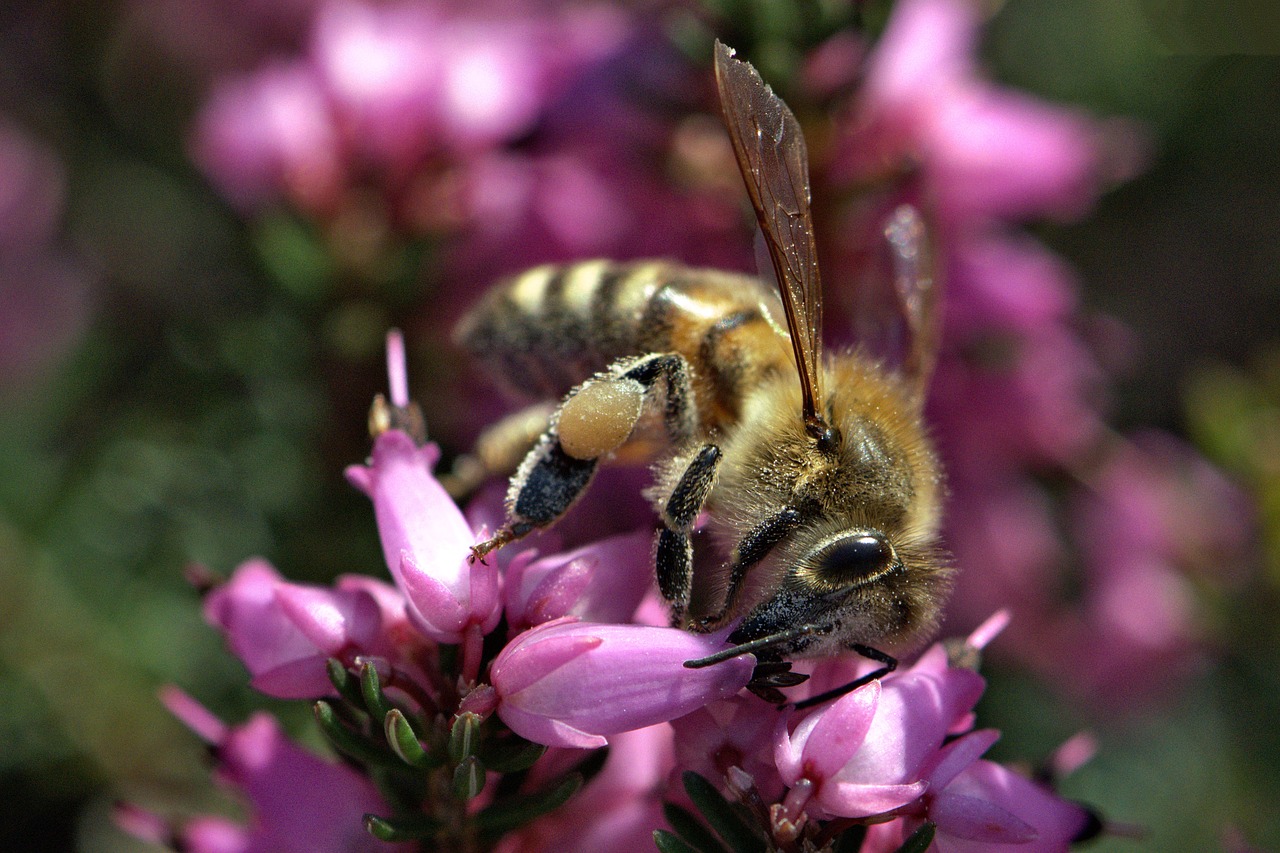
<point x="380" y="67"/>
<point x="976" y="804"/>
<point x="571" y="683"/>
<point x="600" y="582"/>
<point x="286" y="632"/>
<point x="425" y="538"/>
<point x="44" y="294"/>
<point x="865" y="753"/>
<point x="983" y="152"/>
<point x="1158" y="521"/>
<point x="297" y="801"/>
<point x="618" y="810"/>
<point x="734" y="732"/>
<point x="269" y="138"/>
<point x="32" y="191"/>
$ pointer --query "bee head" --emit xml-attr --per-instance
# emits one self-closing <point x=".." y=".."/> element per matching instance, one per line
<point x="851" y="588"/>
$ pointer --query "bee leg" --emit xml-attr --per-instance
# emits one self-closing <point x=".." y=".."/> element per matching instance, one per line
<point x="675" y="549"/>
<point x="499" y="449"/>
<point x="751" y="550"/>
<point x="595" y="419"/>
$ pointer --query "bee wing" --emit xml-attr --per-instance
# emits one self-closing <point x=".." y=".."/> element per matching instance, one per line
<point x="775" y="166"/>
<point x="916" y="288"/>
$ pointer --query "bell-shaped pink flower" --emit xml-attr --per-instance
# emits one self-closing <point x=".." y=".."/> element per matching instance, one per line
<point x="734" y="732"/>
<point x="600" y="582"/>
<point x="297" y="801"/>
<point x="984" y="152"/>
<point x="571" y="683"/>
<point x="977" y="804"/>
<point x="866" y="753"/>
<point x="425" y="538"/>
<point x="285" y="632"/>
<point x="270" y="137"/>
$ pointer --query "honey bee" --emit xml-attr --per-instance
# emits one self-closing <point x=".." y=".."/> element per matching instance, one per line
<point x="818" y="481"/>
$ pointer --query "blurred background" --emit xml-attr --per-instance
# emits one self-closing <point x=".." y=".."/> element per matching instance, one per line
<point x="195" y="282"/>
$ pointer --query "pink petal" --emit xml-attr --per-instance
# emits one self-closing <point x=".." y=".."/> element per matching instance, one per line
<point x="831" y="735"/>
<point x="976" y="819"/>
<point x="959" y="754"/>
<point x="596" y="679"/>
<point x="849" y="799"/>
<point x="332" y="620"/>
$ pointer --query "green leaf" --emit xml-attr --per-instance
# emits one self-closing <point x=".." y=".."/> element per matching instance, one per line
<point x="668" y="843"/>
<point x="401" y="829"/>
<point x="510" y="754"/>
<point x="919" y="840"/>
<point x="850" y="841"/>
<point x="504" y="816"/>
<point x="344" y="682"/>
<point x="371" y="691"/>
<point x="347" y="741"/>
<point x="691" y="830"/>
<point x="464" y="736"/>
<point x="468" y="779"/>
<point x="404" y="741"/>
<point x="723" y="817"/>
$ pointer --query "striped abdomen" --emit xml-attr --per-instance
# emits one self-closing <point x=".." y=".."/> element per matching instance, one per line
<point x="547" y="329"/>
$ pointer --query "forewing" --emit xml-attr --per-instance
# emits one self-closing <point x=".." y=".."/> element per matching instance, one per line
<point x="916" y="288"/>
<point x="775" y="167"/>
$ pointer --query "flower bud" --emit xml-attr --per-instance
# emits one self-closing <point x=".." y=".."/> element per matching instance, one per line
<point x="285" y="632"/>
<point x="570" y="683"/>
<point x="425" y="538"/>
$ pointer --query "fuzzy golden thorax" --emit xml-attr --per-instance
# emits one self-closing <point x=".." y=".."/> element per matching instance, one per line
<point x="880" y="484"/>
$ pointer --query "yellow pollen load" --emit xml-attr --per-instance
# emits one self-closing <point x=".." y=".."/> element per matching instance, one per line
<point x="600" y="417"/>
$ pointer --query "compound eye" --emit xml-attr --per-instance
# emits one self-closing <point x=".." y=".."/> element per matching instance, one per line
<point x="855" y="558"/>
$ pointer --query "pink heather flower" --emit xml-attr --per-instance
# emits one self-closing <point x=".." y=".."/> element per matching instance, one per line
<point x="269" y="137"/>
<point x="600" y="582"/>
<point x="286" y="632"/>
<point x="297" y="801"/>
<point x="380" y="67"/>
<point x="425" y="538"/>
<point x="32" y="191"/>
<point x="571" y="683"/>
<point x="734" y="732"/>
<point x="619" y="808"/>
<point x="984" y="152"/>
<point x="977" y="805"/>
<point x="865" y="753"/>
<point x="1156" y="520"/>
<point x="44" y="294"/>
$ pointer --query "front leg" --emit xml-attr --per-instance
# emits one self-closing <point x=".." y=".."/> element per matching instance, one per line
<point x="595" y="419"/>
<point x="674" y="559"/>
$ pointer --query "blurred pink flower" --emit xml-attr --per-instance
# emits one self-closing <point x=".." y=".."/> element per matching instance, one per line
<point x="269" y="138"/>
<point x="32" y="191"/>
<point x="983" y="152"/>
<point x="286" y="632"/>
<point x="45" y="298"/>
<point x="297" y="801"/>
<point x="1156" y="521"/>
<point x="571" y="683"/>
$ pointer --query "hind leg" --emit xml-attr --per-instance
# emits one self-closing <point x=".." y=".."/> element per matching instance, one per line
<point x="593" y="421"/>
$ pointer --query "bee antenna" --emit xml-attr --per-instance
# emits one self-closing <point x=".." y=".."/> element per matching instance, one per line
<point x="754" y="646"/>
<point x="888" y="663"/>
